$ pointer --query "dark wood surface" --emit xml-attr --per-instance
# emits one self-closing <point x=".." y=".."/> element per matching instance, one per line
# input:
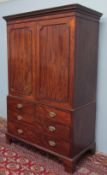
<point x="55" y="71"/>
<point x="21" y="44"/>
<point x="52" y="56"/>
<point x="83" y="128"/>
<point x="26" y="106"/>
<point x="58" y="126"/>
<point x="33" y="135"/>
<point x="62" y="117"/>
<point x="86" y="50"/>
<point x="53" y="40"/>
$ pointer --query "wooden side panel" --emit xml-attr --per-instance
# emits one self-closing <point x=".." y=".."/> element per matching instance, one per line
<point x="55" y="55"/>
<point x="85" y="61"/>
<point x="21" y="57"/>
<point x="83" y="128"/>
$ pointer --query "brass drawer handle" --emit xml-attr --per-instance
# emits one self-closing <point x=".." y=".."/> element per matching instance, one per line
<point x="52" y="114"/>
<point x="19" y="117"/>
<point x="52" y="143"/>
<point x="20" y="131"/>
<point x="52" y="128"/>
<point x="19" y="106"/>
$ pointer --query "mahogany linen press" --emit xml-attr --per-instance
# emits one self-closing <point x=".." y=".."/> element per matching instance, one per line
<point x="52" y="64"/>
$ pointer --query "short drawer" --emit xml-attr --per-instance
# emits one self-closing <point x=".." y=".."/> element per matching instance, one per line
<point x="53" y="115"/>
<point x="20" y="105"/>
<point x="25" y="132"/>
<point x="20" y="116"/>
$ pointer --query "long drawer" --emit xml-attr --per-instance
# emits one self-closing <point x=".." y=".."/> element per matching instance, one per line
<point x="32" y="135"/>
<point x="56" y="129"/>
<point x="57" y="145"/>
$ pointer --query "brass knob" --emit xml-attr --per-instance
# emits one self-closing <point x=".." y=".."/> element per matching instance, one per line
<point x="20" y="131"/>
<point x="52" y="143"/>
<point x="51" y="128"/>
<point x="19" y="117"/>
<point x="19" y="106"/>
<point x="52" y="114"/>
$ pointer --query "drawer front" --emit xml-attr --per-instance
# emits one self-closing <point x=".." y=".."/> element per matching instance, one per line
<point x="53" y="115"/>
<point x="57" y="145"/>
<point x="55" y="129"/>
<point x="19" y="116"/>
<point x="25" y="132"/>
<point x="32" y="135"/>
<point x="20" y="105"/>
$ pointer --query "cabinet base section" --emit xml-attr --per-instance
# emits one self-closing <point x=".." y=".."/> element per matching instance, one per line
<point x="69" y="163"/>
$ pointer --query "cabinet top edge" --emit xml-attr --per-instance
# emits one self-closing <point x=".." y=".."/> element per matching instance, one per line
<point x="60" y="9"/>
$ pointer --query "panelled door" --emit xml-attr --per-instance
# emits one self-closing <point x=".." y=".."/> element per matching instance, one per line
<point x="55" y="52"/>
<point x="21" y="42"/>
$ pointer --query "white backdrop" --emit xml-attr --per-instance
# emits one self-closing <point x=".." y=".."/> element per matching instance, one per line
<point x="19" y="6"/>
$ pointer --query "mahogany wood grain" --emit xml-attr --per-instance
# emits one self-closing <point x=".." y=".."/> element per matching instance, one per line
<point x="61" y="147"/>
<point x="21" y="44"/>
<point x="56" y="61"/>
<point x="20" y="116"/>
<point x="44" y="126"/>
<point x="61" y="117"/>
<point x="28" y="133"/>
<point x="86" y="51"/>
<point x="54" y="42"/>
<point x="84" y="122"/>
<point x="59" y="131"/>
<point x="27" y="106"/>
<point x="40" y="118"/>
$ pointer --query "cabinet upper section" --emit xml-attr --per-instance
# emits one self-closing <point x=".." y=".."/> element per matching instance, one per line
<point x="52" y="55"/>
